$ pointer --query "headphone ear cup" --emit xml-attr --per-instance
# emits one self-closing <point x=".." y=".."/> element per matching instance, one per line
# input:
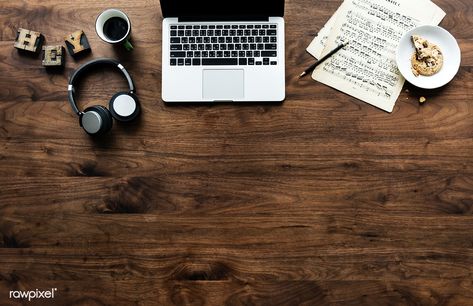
<point x="124" y="106"/>
<point x="96" y="120"/>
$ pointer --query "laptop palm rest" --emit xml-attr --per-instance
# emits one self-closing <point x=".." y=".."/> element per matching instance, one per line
<point x="223" y="85"/>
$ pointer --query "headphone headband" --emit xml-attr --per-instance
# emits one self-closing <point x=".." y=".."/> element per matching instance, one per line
<point x="85" y="67"/>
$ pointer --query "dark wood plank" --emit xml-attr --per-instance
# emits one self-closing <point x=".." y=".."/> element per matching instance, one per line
<point x="321" y="200"/>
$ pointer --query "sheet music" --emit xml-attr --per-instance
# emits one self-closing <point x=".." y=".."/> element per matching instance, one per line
<point x="367" y="69"/>
<point x="319" y="42"/>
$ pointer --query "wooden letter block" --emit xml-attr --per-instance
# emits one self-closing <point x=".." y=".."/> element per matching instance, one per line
<point x="77" y="42"/>
<point x="27" y="40"/>
<point x="53" y="56"/>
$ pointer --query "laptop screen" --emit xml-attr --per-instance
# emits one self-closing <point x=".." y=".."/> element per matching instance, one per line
<point x="222" y="10"/>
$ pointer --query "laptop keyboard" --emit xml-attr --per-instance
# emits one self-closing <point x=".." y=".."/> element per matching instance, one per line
<point x="228" y="44"/>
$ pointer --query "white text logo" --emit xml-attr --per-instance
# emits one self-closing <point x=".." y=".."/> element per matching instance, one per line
<point x="33" y="294"/>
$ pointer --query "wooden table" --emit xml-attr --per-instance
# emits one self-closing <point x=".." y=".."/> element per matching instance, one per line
<point x="321" y="200"/>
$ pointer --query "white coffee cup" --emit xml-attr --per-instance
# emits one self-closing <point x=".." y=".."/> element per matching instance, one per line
<point x="125" y="29"/>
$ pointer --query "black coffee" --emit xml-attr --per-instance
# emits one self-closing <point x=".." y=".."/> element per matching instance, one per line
<point x="115" y="28"/>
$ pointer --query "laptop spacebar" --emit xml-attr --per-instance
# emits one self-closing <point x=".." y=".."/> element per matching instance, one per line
<point x="219" y="61"/>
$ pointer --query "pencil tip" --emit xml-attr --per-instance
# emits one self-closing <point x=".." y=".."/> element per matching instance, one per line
<point x="302" y="74"/>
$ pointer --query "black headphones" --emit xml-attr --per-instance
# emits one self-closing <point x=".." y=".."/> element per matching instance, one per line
<point x="97" y="119"/>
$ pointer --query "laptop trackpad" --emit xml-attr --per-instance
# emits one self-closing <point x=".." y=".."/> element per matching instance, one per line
<point x="223" y="85"/>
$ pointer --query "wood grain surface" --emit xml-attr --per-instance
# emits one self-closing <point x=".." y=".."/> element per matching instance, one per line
<point x="320" y="200"/>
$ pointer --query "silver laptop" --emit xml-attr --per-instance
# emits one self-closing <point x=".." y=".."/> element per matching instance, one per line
<point x="223" y="51"/>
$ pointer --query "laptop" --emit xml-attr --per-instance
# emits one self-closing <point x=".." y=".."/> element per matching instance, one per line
<point x="223" y="51"/>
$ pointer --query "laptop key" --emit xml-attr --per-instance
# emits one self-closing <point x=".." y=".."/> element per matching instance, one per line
<point x="188" y="61"/>
<point x="196" y="62"/>
<point x="251" y="61"/>
<point x="178" y="54"/>
<point x="173" y="33"/>
<point x="176" y="47"/>
<point x="242" y="61"/>
<point x="173" y="62"/>
<point x="269" y="53"/>
<point x="270" y="46"/>
<point x="271" y="32"/>
<point x="219" y="61"/>
<point x="180" y="62"/>
<point x="175" y="40"/>
<point x="274" y="63"/>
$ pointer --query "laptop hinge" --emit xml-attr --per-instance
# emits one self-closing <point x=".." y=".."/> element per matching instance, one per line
<point x="222" y="18"/>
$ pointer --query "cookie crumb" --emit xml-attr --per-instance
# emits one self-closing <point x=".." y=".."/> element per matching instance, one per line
<point x="422" y="100"/>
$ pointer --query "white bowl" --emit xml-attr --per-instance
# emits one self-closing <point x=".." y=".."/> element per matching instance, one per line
<point x="451" y="56"/>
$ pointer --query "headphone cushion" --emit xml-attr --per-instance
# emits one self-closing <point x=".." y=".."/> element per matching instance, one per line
<point x="106" y="120"/>
<point x="124" y="106"/>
